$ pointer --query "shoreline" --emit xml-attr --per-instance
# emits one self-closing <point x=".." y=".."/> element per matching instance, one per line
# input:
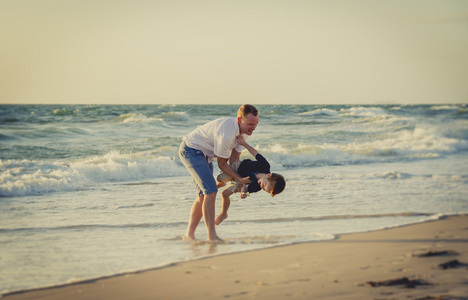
<point x="197" y="243"/>
<point x="297" y="272"/>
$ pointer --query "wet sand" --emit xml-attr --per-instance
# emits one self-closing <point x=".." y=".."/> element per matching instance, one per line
<point x="422" y="261"/>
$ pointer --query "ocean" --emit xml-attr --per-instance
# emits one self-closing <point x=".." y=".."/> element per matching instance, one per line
<point x="89" y="191"/>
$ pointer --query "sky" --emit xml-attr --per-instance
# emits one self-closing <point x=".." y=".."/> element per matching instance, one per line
<point x="233" y="51"/>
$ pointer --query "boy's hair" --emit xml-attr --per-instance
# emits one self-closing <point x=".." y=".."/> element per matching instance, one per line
<point x="246" y="109"/>
<point x="279" y="185"/>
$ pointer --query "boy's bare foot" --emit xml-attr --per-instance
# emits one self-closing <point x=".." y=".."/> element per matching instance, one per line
<point x="220" y="184"/>
<point x="221" y="218"/>
<point x="244" y="191"/>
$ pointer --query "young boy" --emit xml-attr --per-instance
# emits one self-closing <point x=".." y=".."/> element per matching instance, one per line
<point x="259" y="173"/>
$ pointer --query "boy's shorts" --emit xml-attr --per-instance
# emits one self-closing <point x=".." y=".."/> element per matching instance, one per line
<point x="201" y="170"/>
<point x="234" y="186"/>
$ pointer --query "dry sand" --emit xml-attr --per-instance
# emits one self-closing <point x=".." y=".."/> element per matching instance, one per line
<point x="338" y="269"/>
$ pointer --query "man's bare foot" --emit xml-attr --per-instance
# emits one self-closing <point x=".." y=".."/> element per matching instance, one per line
<point x="221" y="218"/>
<point x="188" y="237"/>
<point x="215" y="240"/>
<point x="220" y="184"/>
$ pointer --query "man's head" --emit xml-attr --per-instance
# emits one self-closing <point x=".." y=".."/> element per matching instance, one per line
<point x="272" y="183"/>
<point x="247" y="117"/>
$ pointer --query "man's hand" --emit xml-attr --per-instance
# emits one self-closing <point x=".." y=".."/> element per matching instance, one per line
<point x="245" y="180"/>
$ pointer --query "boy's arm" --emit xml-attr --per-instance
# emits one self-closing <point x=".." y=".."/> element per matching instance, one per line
<point x="241" y="141"/>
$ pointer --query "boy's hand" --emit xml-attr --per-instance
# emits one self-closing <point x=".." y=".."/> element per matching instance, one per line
<point x="240" y="140"/>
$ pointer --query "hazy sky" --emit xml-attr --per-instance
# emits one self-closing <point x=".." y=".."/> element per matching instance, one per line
<point x="233" y="51"/>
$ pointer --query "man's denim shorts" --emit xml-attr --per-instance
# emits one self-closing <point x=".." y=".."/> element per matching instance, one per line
<point x="201" y="170"/>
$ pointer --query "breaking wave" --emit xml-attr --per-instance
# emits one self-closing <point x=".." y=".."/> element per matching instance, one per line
<point x="24" y="178"/>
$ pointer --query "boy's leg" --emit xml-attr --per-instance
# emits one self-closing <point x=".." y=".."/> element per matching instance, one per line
<point x="223" y="177"/>
<point x="225" y="206"/>
<point x="220" y="184"/>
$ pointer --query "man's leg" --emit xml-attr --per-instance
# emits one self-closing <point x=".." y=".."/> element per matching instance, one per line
<point x="195" y="217"/>
<point x="209" y="214"/>
<point x="202" y="174"/>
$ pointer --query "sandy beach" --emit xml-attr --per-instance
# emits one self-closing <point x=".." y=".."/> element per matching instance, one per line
<point x="422" y="261"/>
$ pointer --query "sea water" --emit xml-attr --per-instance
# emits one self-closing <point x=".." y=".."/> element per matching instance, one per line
<point x="94" y="191"/>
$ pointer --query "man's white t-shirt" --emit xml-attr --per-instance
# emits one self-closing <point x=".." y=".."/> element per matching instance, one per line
<point x="216" y="138"/>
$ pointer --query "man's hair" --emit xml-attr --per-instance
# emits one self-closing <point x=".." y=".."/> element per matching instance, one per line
<point x="279" y="185"/>
<point x="246" y="109"/>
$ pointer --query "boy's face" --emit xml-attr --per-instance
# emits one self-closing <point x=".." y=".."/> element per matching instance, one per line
<point x="266" y="184"/>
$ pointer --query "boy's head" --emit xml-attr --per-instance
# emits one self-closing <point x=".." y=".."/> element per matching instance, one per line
<point x="279" y="183"/>
<point x="273" y="184"/>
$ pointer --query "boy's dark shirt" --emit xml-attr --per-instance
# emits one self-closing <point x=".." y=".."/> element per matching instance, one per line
<point x="250" y="167"/>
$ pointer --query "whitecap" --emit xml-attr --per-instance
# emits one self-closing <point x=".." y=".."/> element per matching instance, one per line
<point x="363" y="111"/>
<point x="136" y="118"/>
<point x="323" y="111"/>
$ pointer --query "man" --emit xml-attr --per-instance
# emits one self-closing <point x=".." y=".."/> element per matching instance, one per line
<point x="217" y="138"/>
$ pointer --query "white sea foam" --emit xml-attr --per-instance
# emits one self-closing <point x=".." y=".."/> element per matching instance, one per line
<point x="175" y="115"/>
<point x="136" y="118"/>
<point x="143" y="118"/>
<point x="363" y="111"/>
<point x="322" y="111"/>
<point x="420" y="142"/>
<point x="64" y="111"/>
<point x="445" y="107"/>
<point x="27" y="177"/>
<point x="23" y="178"/>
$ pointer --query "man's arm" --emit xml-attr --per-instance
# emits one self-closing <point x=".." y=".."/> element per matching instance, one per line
<point x="235" y="156"/>
<point x="223" y="166"/>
